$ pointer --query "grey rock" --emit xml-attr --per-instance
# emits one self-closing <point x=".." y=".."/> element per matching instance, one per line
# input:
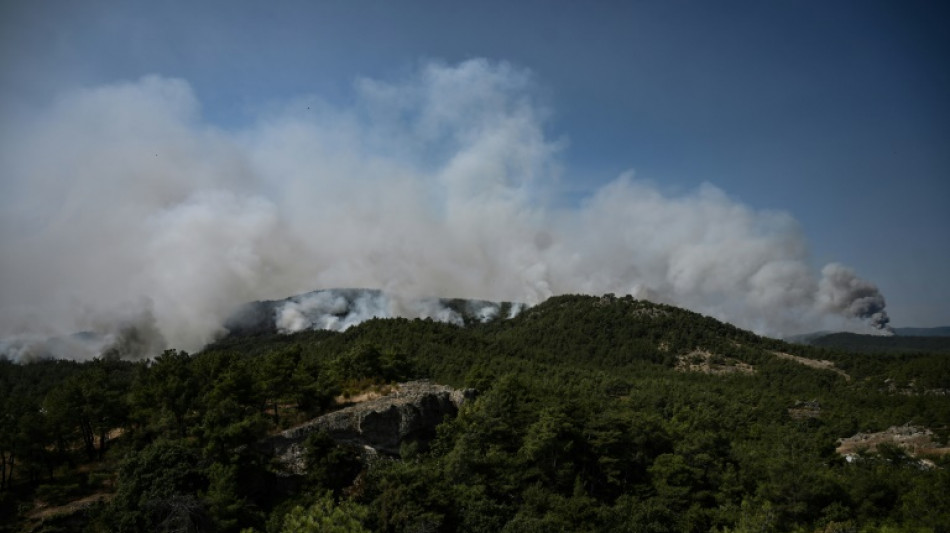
<point x="410" y="413"/>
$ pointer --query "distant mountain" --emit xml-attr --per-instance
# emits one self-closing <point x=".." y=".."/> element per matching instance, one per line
<point x="600" y="333"/>
<point x="903" y="340"/>
<point x="943" y="331"/>
<point x="623" y="324"/>
<point x="807" y="338"/>
<point x="853" y="342"/>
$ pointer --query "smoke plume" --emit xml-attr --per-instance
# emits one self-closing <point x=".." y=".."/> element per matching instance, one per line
<point x="438" y="185"/>
<point x="330" y="310"/>
<point x="339" y="309"/>
<point x="841" y="291"/>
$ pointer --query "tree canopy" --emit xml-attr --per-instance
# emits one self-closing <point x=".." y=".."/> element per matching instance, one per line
<point x="589" y="417"/>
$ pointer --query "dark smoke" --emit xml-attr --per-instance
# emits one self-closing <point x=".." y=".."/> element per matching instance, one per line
<point x="841" y="291"/>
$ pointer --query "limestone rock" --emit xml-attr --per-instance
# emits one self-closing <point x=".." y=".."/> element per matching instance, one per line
<point x="410" y="412"/>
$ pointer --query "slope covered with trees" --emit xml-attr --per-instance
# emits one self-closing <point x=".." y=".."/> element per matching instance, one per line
<point x="876" y="343"/>
<point x="587" y="419"/>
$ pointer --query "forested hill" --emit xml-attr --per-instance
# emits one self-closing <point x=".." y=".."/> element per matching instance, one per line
<point x="611" y="331"/>
<point x="338" y="309"/>
<point x="875" y="343"/>
<point x="592" y="414"/>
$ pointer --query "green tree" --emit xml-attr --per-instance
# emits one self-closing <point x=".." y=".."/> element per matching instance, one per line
<point x="169" y="387"/>
<point x="329" y="465"/>
<point x="91" y="402"/>
<point x="362" y="361"/>
<point x="227" y="508"/>
<point x="326" y="516"/>
<point x="158" y="490"/>
<point x="550" y="447"/>
<point x="275" y="377"/>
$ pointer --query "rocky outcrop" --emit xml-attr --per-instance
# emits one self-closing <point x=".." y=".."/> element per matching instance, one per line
<point x="917" y="442"/>
<point x="709" y="363"/>
<point x="409" y="413"/>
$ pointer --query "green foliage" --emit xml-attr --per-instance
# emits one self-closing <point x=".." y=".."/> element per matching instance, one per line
<point x="581" y="424"/>
<point x="365" y="361"/>
<point x="227" y="508"/>
<point x="326" y="516"/>
<point x="169" y="389"/>
<point x="329" y="465"/>
<point x="158" y="489"/>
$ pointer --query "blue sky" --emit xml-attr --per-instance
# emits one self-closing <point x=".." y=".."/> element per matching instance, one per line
<point x="836" y="113"/>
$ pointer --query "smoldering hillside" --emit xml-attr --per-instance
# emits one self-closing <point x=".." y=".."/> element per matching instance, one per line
<point x="122" y="209"/>
<point x="340" y="309"/>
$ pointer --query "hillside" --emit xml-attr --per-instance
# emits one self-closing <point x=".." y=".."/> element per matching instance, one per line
<point x="853" y="342"/>
<point x="591" y="414"/>
<point x="339" y="309"/>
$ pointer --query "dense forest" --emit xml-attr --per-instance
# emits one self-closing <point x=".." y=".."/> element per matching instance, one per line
<point x="592" y="414"/>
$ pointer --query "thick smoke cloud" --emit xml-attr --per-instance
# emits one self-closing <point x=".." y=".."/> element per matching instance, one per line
<point x="340" y="309"/>
<point x="841" y="291"/>
<point x="132" y="333"/>
<point x="434" y="186"/>
<point x="330" y="310"/>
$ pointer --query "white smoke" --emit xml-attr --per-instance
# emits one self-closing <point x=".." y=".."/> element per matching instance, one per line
<point x="432" y="186"/>
<point x="483" y="311"/>
<point x="28" y="347"/>
<point x="516" y="309"/>
<point x="130" y="333"/>
<point x="340" y="309"/>
<point x="331" y="310"/>
<point x="430" y="308"/>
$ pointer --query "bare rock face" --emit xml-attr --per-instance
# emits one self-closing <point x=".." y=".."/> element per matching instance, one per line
<point x="410" y="412"/>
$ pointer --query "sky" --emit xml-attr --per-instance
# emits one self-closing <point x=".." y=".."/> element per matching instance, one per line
<point x="813" y="133"/>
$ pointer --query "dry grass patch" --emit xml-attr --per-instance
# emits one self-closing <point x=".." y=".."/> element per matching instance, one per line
<point x="915" y="441"/>
<point x="820" y="364"/>
<point x="709" y="363"/>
